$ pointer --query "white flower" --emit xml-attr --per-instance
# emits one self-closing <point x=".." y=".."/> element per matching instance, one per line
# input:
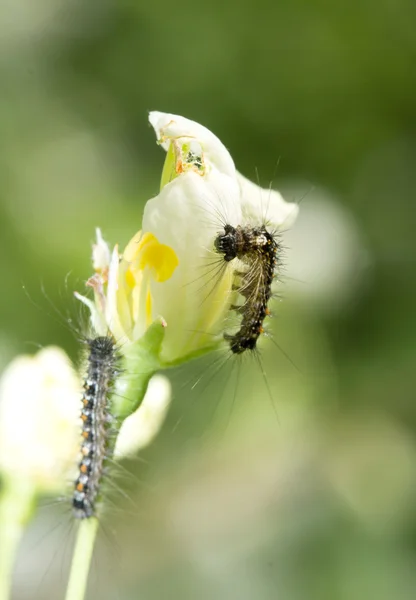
<point x="39" y="419"/>
<point x="40" y="426"/>
<point x="170" y="268"/>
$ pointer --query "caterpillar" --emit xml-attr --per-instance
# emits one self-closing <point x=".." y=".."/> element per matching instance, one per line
<point x="259" y="254"/>
<point x="254" y="253"/>
<point x="102" y="369"/>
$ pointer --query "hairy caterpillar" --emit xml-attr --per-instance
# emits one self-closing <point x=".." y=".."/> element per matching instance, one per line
<point x="96" y="418"/>
<point x="258" y="252"/>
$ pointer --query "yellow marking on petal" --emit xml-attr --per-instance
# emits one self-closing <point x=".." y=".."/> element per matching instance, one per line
<point x="148" y="308"/>
<point x="130" y="280"/>
<point x="160" y="258"/>
<point x="145" y="258"/>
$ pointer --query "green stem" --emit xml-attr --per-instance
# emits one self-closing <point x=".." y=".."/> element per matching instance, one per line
<point x="16" y="507"/>
<point x="81" y="559"/>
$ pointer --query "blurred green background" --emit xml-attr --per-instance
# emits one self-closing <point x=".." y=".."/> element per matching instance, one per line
<point x="318" y="502"/>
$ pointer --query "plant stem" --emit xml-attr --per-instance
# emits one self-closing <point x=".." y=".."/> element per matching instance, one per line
<point x="81" y="559"/>
<point x="16" y="507"/>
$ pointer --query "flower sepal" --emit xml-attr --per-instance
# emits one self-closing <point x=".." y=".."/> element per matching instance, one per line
<point x="140" y="361"/>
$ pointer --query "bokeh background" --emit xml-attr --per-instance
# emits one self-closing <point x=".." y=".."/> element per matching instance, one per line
<point x="310" y="494"/>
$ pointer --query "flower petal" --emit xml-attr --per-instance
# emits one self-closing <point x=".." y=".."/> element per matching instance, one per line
<point x="170" y="127"/>
<point x="100" y="254"/>
<point x="260" y="205"/>
<point x="98" y="322"/>
<point x="116" y="313"/>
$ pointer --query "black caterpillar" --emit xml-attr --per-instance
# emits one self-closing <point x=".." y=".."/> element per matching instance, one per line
<point x="96" y="419"/>
<point x="258" y="250"/>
